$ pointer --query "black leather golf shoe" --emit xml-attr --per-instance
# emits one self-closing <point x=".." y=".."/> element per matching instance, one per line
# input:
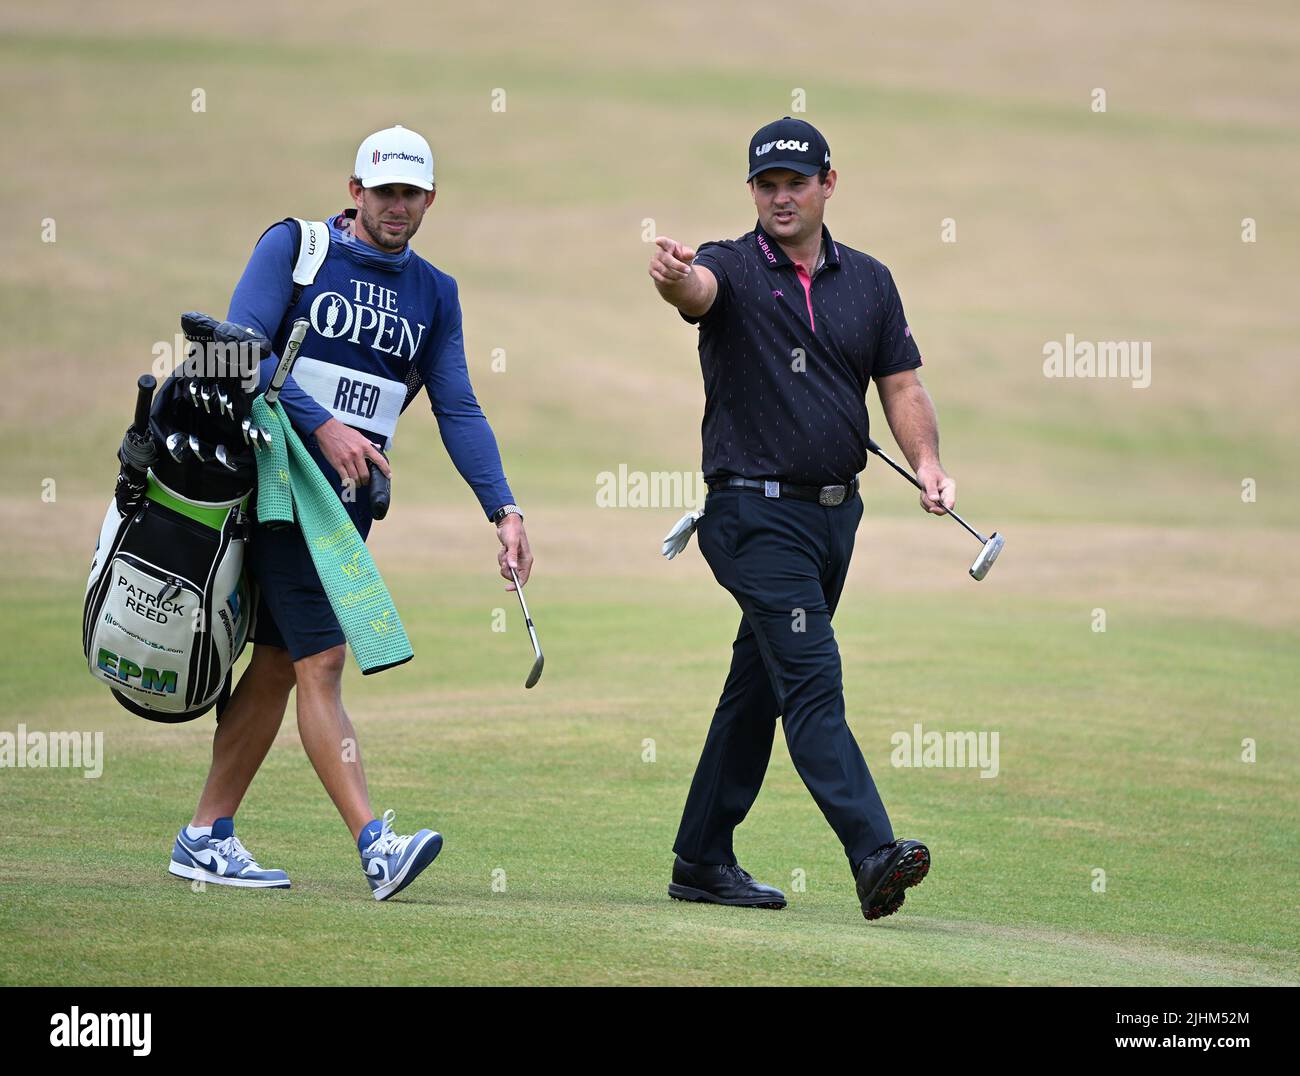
<point x="887" y="872"/>
<point x="721" y="883"/>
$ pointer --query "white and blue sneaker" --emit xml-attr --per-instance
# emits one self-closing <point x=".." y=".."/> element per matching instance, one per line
<point x="216" y="856"/>
<point x="391" y="862"/>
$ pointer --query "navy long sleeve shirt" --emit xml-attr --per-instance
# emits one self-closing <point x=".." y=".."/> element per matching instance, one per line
<point x="373" y="316"/>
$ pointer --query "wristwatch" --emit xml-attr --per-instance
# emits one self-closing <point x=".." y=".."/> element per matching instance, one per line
<point x="499" y="516"/>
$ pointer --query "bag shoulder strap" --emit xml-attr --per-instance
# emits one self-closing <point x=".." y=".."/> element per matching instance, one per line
<point x="313" y="245"/>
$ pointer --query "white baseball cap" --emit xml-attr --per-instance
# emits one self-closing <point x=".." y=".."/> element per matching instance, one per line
<point x="395" y="156"/>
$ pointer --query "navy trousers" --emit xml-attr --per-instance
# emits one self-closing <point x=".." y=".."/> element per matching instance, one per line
<point x="784" y="561"/>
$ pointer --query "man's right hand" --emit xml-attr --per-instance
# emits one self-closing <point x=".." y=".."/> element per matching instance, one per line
<point x="348" y="452"/>
<point x="688" y="287"/>
<point x="671" y="261"/>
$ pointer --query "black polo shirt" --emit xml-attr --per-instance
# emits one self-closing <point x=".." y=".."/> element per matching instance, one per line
<point x="768" y="412"/>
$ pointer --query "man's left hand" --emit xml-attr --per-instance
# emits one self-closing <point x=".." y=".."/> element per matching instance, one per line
<point x="514" y="551"/>
<point x="940" y="492"/>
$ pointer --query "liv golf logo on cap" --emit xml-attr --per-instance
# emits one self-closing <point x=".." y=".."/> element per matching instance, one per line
<point x="395" y="156"/>
<point x="787" y="143"/>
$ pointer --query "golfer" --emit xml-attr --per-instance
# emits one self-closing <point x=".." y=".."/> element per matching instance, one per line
<point x="793" y="327"/>
<point x="384" y="322"/>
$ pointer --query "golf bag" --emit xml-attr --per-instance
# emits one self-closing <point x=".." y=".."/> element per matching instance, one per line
<point x="167" y="606"/>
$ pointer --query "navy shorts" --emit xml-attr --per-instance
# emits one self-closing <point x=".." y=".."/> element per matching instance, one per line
<point x="292" y="609"/>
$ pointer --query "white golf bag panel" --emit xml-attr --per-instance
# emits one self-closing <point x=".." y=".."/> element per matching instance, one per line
<point x="167" y="608"/>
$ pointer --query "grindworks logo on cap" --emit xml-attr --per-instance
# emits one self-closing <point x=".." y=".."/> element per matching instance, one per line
<point x="395" y="155"/>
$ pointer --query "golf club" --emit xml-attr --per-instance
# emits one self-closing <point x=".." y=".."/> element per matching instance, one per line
<point x="176" y="446"/>
<point x="197" y="449"/>
<point x="992" y="545"/>
<point x="223" y="458"/>
<point x="535" y="673"/>
<point x="194" y="393"/>
<point x="290" y="356"/>
<point x="205" y="394"/>
<point x="254" y="434"/>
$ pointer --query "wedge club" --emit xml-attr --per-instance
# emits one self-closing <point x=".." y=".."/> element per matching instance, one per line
<point x="535" y="673"/>
<point x="992" y="544"/>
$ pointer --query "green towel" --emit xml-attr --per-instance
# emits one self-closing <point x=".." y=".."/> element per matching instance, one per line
<point x="289" y="484"/>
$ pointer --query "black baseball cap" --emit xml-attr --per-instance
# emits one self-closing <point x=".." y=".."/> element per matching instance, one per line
<point x="787" y="143"/>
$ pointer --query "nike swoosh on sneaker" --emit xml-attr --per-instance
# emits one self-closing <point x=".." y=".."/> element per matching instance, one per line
<point x="209" y="859"/>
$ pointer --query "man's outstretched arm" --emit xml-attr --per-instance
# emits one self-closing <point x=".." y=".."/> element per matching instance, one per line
<point x="691" y="288"/>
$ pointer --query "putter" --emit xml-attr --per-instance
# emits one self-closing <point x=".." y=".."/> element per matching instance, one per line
<point x="223" y="458"/>
<point x="535" y="673"/>
<point x="176" y="446"/>
<point x="992" y="544"/>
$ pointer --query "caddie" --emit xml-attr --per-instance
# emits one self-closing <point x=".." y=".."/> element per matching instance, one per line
<point x="384" y="326"/>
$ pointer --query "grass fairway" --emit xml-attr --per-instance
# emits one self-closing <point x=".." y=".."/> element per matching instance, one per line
<point x="1120" y="750"/>
<point x="1126" y="762"/>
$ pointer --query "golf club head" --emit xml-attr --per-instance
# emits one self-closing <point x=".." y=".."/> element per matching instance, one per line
<point x="536" y="673"/>
<point x="194" y="394"/>
<point x="223" y="458"/>
<point x="176" y="446"/>
<point x="245" y="428"/>
<point x="205" y="394"/>
<point x="987" y="556"/>
<point x="223" y="404"/>
<point x="196" y="448"/>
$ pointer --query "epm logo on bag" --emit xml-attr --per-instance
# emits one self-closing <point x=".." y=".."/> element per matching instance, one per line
<point x="160" y="682"/>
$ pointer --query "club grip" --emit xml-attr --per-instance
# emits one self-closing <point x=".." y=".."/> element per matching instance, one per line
<point x="143" y="401"/>
<point x="381" y="492"/>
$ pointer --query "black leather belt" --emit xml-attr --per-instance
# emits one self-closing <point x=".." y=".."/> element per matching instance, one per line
<point x="824" y="495"/>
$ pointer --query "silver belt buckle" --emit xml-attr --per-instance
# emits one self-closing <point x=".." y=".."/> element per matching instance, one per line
<point x="830" y="496"/>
